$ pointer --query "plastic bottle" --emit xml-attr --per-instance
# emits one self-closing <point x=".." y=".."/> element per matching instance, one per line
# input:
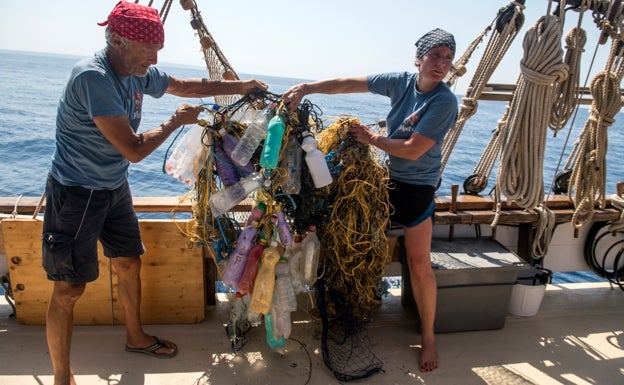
<point x="262" y="295"/>
<point x="254" y="319"/>
<point x="291" y="162"/>
<point x="238" y="323"/>
<point x="316" y="162"/>
<point x="283" y="229"/>
<point x="245" y="284"/>
<point x="270" y="337"/>
<point x="311" y="249"/>
<point x="225" y="169"/>
<point x="230" y="196"/>
<point x="284" y="291"/>
<point x="294" y="256"/>
<point x="229" y="143"/>
<point x="273" y="143"/>
<point x="257" y="212"/>
<point x="282" y="323"/>
<point x="254" y="134"/>
<point x="238" y="259"/>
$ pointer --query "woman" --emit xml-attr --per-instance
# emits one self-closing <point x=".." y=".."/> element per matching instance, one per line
<point x="423" y="109"/>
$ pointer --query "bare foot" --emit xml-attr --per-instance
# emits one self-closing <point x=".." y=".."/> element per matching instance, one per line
<point x="428" y="359"/>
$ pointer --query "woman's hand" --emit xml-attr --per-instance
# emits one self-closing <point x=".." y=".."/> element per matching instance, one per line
<point x="362" y="133"/>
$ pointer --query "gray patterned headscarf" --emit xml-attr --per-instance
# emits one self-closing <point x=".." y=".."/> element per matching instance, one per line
<point x="433" y="39"/>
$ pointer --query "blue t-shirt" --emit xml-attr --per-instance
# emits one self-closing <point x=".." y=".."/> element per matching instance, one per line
<point x="431" y="114"/>
<point x="83" y="156"/>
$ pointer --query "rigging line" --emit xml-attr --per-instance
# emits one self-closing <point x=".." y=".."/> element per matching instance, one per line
<point x="572" y="155"/>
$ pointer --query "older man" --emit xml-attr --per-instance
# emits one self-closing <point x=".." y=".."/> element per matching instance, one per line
<point x="88" y="197"/>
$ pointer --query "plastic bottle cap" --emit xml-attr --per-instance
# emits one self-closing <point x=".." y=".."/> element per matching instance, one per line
<point x="262" y="206"/>
<point x="274" y="243"/>
<point x="312" y="228"/>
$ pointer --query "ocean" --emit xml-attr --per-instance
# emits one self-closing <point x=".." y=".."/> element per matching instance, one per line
<point x="32" y="84"/>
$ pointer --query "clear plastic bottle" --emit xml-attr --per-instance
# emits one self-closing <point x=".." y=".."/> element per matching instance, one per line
<point x="282" y="323"/>
<point x="238" y="323"/>
<point x="238" y="259"/>
<point x="273" y="143"/>
<point x="311" y="249"/>
<point x="284" y="291"/>
<point x="316" y="162"/>
<point x="245" y="284"/>
<point x="291" y="162"/>
<point x="229" y="143"/>
<point x="283" y="229"/>
<point x="230" y="196"/>
<point x="254" y="134"/>
<point x="255" y="319"/>
<point x="294" y="256"/>
<point x="264" y="285"/>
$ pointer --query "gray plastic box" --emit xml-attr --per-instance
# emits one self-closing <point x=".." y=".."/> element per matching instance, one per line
<point x="475" y="277"/>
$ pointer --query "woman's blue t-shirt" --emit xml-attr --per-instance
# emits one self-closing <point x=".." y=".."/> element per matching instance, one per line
<point x="431" y="114"/>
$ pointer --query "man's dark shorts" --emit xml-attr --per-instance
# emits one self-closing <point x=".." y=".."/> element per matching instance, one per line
<point x="75" y="219"/>
<point x="412" y="204"/>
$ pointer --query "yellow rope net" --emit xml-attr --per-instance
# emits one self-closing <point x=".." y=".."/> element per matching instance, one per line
<point x="354" y="241"/>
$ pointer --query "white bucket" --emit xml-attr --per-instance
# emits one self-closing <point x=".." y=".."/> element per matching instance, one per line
<point x="526" y="299"/>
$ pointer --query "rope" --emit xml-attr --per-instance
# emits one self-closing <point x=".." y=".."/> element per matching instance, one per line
<point x="520" y="174"/>
<point x="590" y="168"/>
<point x="567" y="93"/>
<point x="509" y="21"/>
<point x="618" y="224"/>
<point x="521" y="163"/>
<point x="217" y="64"/>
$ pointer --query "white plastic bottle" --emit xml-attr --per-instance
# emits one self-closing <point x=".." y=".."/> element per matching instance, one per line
<point x="311" y="249"/>
<point x="316" y="162"/>
<point x="249" y="142"/>
<point x="230" y="196"/>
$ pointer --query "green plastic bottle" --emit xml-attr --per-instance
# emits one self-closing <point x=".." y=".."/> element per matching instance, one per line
<point x="273" y="143"/>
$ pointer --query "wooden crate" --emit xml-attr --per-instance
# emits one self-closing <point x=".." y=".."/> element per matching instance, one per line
<point x="171" y="275"/>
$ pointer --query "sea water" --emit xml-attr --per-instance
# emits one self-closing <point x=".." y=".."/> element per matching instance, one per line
<point x="32" y="84"/>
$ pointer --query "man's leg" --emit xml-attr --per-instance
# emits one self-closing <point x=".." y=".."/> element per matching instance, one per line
<point x="129" y="290"/>
<point x="424" y="287"/>
<point x="59" y="327"/>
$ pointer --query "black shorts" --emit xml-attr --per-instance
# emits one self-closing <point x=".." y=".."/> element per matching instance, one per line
<point x="75" y="219"/>
<point x="411" y="204"/>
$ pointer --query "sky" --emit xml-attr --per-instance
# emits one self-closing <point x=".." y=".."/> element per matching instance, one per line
<point x="295" y="39"/>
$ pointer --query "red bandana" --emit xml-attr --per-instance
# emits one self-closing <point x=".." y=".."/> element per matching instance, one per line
<point x="136" y="22"/>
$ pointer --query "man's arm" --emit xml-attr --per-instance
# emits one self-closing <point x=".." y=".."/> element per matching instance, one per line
<point x="201" y="88"/>
<point x="135" y="147"/>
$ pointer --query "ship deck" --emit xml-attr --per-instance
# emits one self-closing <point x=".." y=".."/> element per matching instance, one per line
<point x="576" y="338"/>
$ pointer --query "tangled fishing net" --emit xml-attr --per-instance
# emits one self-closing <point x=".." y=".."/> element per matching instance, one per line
<point x="354" y="254"/>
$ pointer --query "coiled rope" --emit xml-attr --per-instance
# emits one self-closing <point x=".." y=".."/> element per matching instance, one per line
<point x="520" y="173"/>
<point x="590" y="167"/>
<point x="567" y="93"/>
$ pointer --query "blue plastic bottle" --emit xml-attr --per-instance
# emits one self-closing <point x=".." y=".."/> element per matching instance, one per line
<point x="273" y="143"/>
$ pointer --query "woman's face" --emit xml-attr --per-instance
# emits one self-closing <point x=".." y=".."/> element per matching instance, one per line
<point x="436" y="63"/>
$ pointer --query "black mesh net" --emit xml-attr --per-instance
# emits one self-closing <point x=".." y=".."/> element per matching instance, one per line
<point x="345" y="342"/>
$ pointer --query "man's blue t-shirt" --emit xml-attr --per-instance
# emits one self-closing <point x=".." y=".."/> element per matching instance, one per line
<point x="431" y="114"/>
<point x="83" y="156"/>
